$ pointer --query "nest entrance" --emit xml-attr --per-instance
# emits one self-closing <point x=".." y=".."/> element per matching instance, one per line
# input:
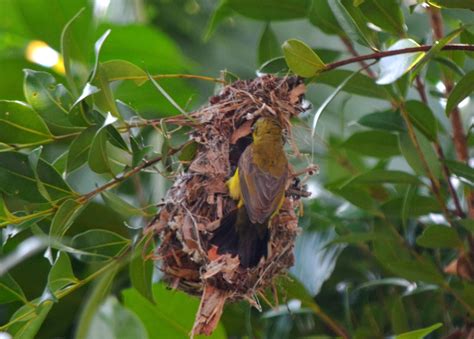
<point x="199" y="199"/>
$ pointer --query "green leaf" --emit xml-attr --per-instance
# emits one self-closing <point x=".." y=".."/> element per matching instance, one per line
<point x="386" y="14"/>
<point x="28" y="328"/>
<point x="379" y="176"/>
<point x="419" y="205"/>
<point x="377" y="144"/>
<point x="5" y="214"/>
<point x="120" y="206"/>
<point x="353" y="238"/>
<point x="462" y="90"/>
<point x="116" y="70"/>
<point x="353" y="22"/>
<point x="98" y="245"/>
<point x="439" y="236"/>
<point x="141" y="272"/>
<point x="67" y="212"/>
<point x="104" y="99"/>
<point x="98" y="156"/>
<point x="461" y="170"/>
<point x="61" y="274"/>
<point x="274" y="66"/>
<point x="98" y="293"/>
<point x="301" y="59"/>
<point x="51" y="100"/>
<point x="466" y="4"/>
<point x="415" y="270"/>
<point x="10" y="290"/>
<point x="358" y="197"/>
<point x="468" y="224"/>
<point x="419" y="334"/>
<point x="79" y="149"/>
<point x="321" y="16"/>
<point x="112" y="320"/>
<point x="20" y="125"/>
<point x="388" y="120"/>
<point x="398" y="316"/>
<point x="18" y="179"/>
<point x="412" y="157"/>
<point x="161" y="318"/>
<point x="74" y="50"/>
<point x="268" y="47"/>
<point x="393" y="67"/>
<point x="423" y="118"/>
<point x="33" y="159"/>
<point x="360" y="84"/>
<point x="269" y="10"/>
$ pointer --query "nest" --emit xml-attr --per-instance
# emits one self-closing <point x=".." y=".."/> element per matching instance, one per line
<point x="199" y="198"/>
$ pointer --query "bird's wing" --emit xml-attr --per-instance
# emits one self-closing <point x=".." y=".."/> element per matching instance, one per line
<point x="262" y="192"/>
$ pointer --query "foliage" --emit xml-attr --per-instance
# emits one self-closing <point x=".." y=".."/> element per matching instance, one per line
<point x="87" y="149"/>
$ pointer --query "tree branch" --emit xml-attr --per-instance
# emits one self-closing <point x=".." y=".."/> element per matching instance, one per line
<point x="384" y="54"/>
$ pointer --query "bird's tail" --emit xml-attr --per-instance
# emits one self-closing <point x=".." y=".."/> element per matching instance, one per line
<point x="237" y="235"/>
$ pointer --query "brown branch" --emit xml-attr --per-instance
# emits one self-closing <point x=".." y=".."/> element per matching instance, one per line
<point x="459" y="137"/>
<point x="384" y="54"/>
<point x="362" y="63"/>
<point x="420" y="87"/>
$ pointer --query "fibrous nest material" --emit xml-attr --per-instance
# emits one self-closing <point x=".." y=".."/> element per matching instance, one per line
<point x="199" y="198"/>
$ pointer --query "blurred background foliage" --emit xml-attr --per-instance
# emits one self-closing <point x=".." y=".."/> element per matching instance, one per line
<point x="79" y="109"/>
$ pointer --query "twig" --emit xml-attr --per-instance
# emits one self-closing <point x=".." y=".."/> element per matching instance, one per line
<point x="352" y="50"/>
<point x="384" y="54"/>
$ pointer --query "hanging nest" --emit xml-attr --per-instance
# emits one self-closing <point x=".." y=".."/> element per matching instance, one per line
<point x="199" y="198"/>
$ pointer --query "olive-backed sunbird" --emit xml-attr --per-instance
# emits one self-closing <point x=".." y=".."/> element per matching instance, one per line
<point x="258" y="185"/>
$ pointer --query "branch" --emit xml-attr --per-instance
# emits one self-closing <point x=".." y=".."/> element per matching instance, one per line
<point x="384" y="54"/>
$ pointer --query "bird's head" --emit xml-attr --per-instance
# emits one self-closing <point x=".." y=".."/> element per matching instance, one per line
<point x="267" y="129"/>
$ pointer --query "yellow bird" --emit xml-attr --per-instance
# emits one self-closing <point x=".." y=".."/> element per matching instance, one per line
<point x="258" y="185"/>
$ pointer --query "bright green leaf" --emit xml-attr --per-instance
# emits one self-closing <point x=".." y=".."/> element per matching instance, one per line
<point x="418" y="334"/>
<point x="79" y="149"/>
<point x="61" y="274"/>
<point x="29" y="327"/>
<point x="120" y="206"/>
<point x="116" y="70"/>
<point x="68" y="211"/>
<point x="301" y="59"/>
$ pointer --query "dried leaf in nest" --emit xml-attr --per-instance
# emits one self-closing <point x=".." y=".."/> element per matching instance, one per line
<point x="199" y="199"/>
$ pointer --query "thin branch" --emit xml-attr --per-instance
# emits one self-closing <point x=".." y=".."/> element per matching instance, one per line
<point x="168" y="76"/>
<point x="420" y="87"/>
<point x="384" y="54"/>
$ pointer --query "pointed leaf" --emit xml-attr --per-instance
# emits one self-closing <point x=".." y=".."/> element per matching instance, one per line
<point x="423" y="118"/>
<point x="378" y="144"/>
<point x="386" y="14"/>
<point x="79" y="149"/>
<point x="64" y="217"/>
<point x="10" y="290"/>
<point x="116" y="70"/>
<point x="268" y="47"/>
<point x="387" y="120"/>
<point x="322" y="17"/>
<point x="61" y="274"/>
<point x="439" y="236"/>
<point x="462" y="90"/>
<point x="98" y="245"/>
<point x="419" y="334"/>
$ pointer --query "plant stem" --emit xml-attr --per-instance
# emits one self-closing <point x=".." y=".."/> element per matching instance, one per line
<point x="362" y="63"/>
<point x="332" y="324"/>
<point x="384" y="54"/>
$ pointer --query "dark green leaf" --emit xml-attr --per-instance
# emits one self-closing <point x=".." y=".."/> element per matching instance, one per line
<point x="301" y="59"/>
<point x="360" y="84"/>
<point x="423" y="118"/>
<point x="98" y="245"/>
<point x="17" y="178"/>
<point x="418" y="334"/>
<point x="353" y="238"/>
<point x="416" y="270"/>
<point x="387" y="120"/>
<point x="188" y="152"/>
<point x="419" y="205"/>
<point x="98" y="156"/>
<point x="462" y="90"/>
<point x="10" y="290"/>
<point x="358" y="197"/>
<point x="20" y="125"/>
<point x="274" y="66"/>
<point x="268" y="47"/>
<point x="79" y="149"/>
<point x="322" y="17"/>
<point x="104" y="99"/>
<point x="353" y="22"/>
<point x="386" y="14"/>
<point x="68" y="211"/>
<point x="439" y="236"/>
<point x="412" y="156"/>
<point x="379" y="176"/>
<point x="268" y="10"/>
<point x="141" y="272"/>
<point x="468" y="224"/>
<point x="378" y="144"/>
<point x="393" y="67"/>
<point x="61" y="274"/>
<point x="398" y="316"/>
<point x="461" y="169"/>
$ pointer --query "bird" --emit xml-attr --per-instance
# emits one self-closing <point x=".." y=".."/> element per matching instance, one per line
<point x="258" y="185"/>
